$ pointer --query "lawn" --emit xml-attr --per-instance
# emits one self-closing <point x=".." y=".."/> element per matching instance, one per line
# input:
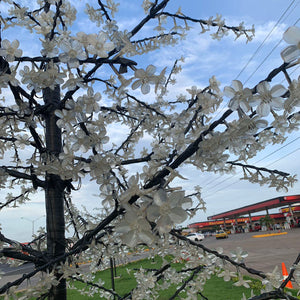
<point x="125" y="282"/>
<point x="215" y="288"/>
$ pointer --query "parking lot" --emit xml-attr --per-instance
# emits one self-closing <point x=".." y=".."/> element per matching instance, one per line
<point x="264" y="253"/>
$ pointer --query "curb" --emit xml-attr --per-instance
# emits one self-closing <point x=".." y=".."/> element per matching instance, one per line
<point x="269" y="234"/>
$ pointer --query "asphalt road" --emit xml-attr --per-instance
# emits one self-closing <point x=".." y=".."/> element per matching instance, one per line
<point x="264" y="253"/>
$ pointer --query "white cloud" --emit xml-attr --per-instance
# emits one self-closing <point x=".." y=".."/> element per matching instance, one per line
<point x="262" y="31"/>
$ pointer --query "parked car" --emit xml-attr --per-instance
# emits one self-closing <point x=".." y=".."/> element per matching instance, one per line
<point x="195" y="236"/>
<point x="221" y="234"/>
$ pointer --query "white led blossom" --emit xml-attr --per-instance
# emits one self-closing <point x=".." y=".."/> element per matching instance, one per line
<point x="239" y="254"/>
<point x="134" y="229"/>
<point x="291" y="36"/>
<point x="239" y="96"/>
<point x="73" y="52"/>
<point x="145" y="78"/>
<point x="167" y="209"/>
<point x="99" y="45"/>
<point x="10" y="50"/>
<point x="268" y="98"/>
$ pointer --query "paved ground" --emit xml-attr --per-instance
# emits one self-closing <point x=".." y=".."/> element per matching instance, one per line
<point x="264" y="253"/>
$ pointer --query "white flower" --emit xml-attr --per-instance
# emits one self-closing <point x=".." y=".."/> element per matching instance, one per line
<point x="294" y="98"/>
<point x="167" y="209"/>
<point x="50" y="48"/>
<point x="267" y="98"/>
<point x="291" y="36"/>
<point x="99" y="45"/>
<point x="194" y="91"/>
<point x="73" y="52"/>
<point x="239" y="254"/>
<point x="134" y="228"/>
<point x="144" y="79"/>
<point x="214" y="84"/>
<point x="227" y="275"/>
<point x="94" y="14"/>
<point x="273" y="279"/>
<point x="239" y="96"/>
<point x="10" y="50"/>
<point x="242" y="282"/>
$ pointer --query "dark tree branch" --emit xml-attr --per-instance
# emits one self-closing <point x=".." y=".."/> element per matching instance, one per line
<point x="97" y="286"/>
<point x="130" y="135"/>
<point x="183" y="286"/>
<point x="152" y="14"/>
<point x="137" y="160"/>
<point x="235" y="29"/>
<point x="222" y="256"/>
<point x="104" y="10"/>
<point x="283" y="174"/>
<point x="17" y="174"/>
<point x="13" y="199"/>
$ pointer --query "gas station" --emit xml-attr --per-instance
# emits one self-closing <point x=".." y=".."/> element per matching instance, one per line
<point x="243" y="220"/>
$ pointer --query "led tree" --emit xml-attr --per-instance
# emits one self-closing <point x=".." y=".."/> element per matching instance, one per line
<point x="56" y="116"/>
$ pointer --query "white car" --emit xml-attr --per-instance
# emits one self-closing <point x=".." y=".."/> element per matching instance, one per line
<point x="195" y="237"/>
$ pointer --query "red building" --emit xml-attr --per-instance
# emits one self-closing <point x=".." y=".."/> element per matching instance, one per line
<point x="242" y="216"/>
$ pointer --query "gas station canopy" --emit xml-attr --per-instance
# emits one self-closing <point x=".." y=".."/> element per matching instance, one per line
<point x="260" y="206"/>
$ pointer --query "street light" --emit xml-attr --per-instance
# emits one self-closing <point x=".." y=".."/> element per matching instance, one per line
<point x="32" y="222"/>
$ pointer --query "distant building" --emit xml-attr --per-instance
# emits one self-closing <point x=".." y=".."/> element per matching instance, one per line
<point x="241" y="219"/>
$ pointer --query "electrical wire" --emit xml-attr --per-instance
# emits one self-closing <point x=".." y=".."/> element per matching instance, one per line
<point x="268" y="155"/>
<point x="265" y="39"/>
<point x="260" y="46"/>
<point x="266" y="57"/>
<point x="267" y="166"/>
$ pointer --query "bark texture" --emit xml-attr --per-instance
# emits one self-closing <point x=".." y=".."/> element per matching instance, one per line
<point x="54" y="191"/>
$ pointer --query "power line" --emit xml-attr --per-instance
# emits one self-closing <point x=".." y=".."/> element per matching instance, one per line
<point x="263" y="61"/>
<point x="267" y="165"/>
<point x="278" y="149"/>
<point x="263" y="42"/>
<point x="257" y="50"/>
<point x="228" y="178"/>
<point x="283" y="157"/>
<point x="268" y="155"/>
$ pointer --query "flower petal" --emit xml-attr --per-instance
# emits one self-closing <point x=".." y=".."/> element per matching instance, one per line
<point x="153" y="213"/>
<point x="237" y="85"/>
<point x="229" y="92"/>
<point x="277" y="103"/>
<point x="290" y="53"/>
<point x="292" y="35"/>
<point x="263" y="87"/>
<point x="263" y="109"/>
<point x="145" y="88"/>
<point x="150" y="70"/>
<point x="244" y="106"/>
<point x="136" y="84"/>
<point x="261" y="123"/>
<point x="278" y="90"/>
<point x="255" y="100"/>
<point x="178" y="215"/>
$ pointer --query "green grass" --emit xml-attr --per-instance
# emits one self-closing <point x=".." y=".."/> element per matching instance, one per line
<point x="215" y="288"/>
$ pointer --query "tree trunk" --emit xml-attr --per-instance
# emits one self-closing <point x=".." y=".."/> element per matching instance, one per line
<point x="54" y="192"/>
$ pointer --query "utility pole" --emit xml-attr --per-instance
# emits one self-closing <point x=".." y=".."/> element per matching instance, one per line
<point x="32" y="222"/>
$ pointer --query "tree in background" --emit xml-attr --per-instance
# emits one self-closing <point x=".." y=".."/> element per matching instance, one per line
<point x="267" y="221"/>
<point x="57" y="114"/>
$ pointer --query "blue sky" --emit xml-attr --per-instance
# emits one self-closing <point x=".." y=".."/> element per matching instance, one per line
<point x="204" y="58"/>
